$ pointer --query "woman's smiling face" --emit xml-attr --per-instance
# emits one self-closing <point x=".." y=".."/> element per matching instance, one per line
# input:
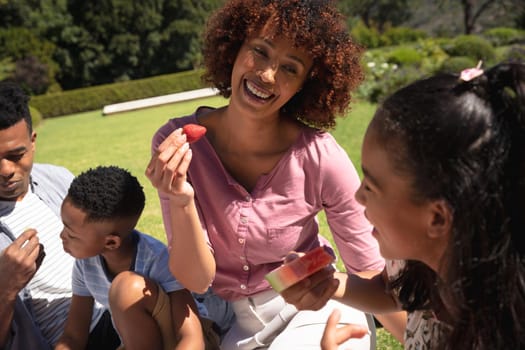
<point x="267" y="73"/>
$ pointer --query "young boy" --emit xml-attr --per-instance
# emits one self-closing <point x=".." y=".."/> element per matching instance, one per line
<point x="123" y="269"/>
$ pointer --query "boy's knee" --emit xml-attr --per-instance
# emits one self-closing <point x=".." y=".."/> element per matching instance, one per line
<point x="129" y="288"/>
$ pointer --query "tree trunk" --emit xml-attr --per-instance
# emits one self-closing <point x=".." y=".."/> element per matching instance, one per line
<point x="470" y="16"/>
<point x="467" y="15"/>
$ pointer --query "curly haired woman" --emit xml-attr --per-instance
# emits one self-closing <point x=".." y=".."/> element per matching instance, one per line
<point x="266" y="167"/>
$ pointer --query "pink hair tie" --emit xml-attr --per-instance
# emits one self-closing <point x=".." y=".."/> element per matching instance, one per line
<point x="471" y="73"/>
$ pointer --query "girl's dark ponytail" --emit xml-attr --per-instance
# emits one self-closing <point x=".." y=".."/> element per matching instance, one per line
<point x="506" y="88"/>
<point x="506" y="84"/>
<point x="489" y="265"/>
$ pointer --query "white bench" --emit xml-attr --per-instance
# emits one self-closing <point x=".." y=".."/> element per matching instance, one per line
<point x="158" y="100"/>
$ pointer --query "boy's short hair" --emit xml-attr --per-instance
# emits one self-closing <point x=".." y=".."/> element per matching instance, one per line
<point x="107" y="192"/>
<point x="14" y="106"/>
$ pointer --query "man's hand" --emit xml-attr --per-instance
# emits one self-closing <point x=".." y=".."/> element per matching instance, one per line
<point x="333" y="336"/>
<point x="19" y="262"/>
<point x="311" y="293"/>
<point x="168" y="168"/>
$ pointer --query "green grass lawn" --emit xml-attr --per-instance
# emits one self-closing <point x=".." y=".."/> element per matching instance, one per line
<point x="86" y="140"/>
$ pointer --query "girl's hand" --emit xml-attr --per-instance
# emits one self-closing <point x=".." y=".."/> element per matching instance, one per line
<point x="311" y="293"/>
<point x="334" y="336"/>
<point x="168" y="167"/>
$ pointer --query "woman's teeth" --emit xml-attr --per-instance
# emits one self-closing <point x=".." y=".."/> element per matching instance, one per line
<point x="256" y="91"/>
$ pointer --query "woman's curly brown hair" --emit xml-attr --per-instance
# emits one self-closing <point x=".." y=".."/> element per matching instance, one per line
<point x="313" y="25"/>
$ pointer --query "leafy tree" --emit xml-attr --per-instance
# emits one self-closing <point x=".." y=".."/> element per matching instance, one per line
<point x="27" y="39"/>
<point x="10" y="14"/>
<point x="31" y="59"/>
<point x="378" y="13"/>
<point x="474" y="10"/>
<point x="6" y="68"/>
<point x="520" y="19"/>
<point x="184" y="21"/>
<point x="31" y="74"/>
<point x="113" y="40"/>
<point x="471" y="12"/>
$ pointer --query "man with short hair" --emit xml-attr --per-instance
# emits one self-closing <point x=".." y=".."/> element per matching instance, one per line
<point x="35" y="272"/>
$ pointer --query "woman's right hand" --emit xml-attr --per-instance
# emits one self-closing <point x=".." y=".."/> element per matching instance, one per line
<point x="334" y="336"/>
<point x="168" y="167"/>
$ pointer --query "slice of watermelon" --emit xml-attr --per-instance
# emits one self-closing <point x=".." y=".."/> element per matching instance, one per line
<point x="300" y="268"/>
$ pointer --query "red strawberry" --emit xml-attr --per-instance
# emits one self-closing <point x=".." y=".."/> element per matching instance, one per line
<point x="193" y="132"/>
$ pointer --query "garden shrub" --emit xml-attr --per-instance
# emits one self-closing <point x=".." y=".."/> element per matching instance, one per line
<point x="383" y="78"/>
<point x="457" y="64"/>
<point x="404" y="55"/>
<point x="502" y="36"/>
<point x="375" y="67"/>
<point x="96" y="97"/>
<point x="514" y="53"/>
<point x="395" y="80"/>
<point x="432" y="53"/>
<point x="472" y="46"/>
<point x="402" y="35"/>
<point x="367" y="37"/>
<point x="32" y="58"/>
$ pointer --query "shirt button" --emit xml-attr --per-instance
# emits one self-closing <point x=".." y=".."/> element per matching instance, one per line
<point x="242" y="258"/>
<point x="241" y="240"/>
<point x="244" y="219"/>
<point x="245" y="267"/>
<point x="248" y="198"/>
<point x="243" y="286"/>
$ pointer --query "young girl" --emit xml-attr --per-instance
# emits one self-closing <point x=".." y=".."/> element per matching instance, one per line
<point x="266" y="168"/>
<point x="444" y="186"/>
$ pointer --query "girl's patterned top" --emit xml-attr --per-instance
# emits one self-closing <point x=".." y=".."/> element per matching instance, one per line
<point x="423" y="327"/>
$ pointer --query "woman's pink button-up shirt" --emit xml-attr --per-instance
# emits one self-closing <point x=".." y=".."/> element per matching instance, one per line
<point x="251" y="233"/>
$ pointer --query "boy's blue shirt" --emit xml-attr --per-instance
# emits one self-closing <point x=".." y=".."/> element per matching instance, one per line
<point x="90" y="277"/>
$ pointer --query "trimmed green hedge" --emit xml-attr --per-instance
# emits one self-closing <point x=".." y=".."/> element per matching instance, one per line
<point x="96" y="97"/>
<point x="36" y="116"/>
